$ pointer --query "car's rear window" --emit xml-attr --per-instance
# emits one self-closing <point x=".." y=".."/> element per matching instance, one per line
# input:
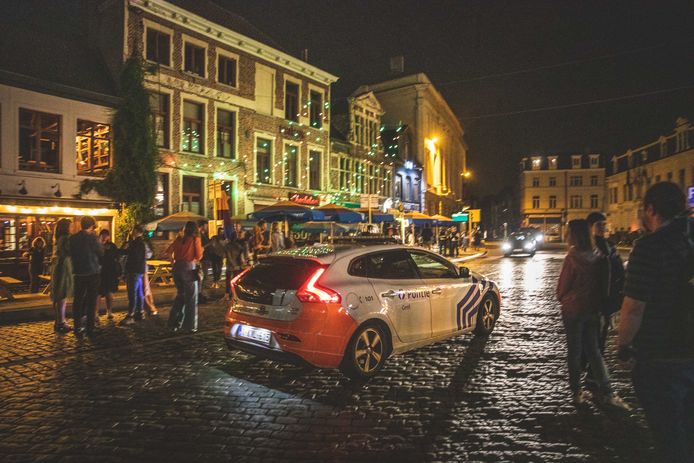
<point x="272" y="274"/>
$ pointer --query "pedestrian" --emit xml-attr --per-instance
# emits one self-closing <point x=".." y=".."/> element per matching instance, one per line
<point x="37" y="254"/>
<point x="453" y="242"/>
<point x="135" y="268"/>
<point x="276" y="238"/>
<point x="578" y="292"/>
<point x="205" y="262"/>
<point x="236" y="260"/>
<point x="85" y="252"/>
<point x="260" y="244"/>
<point x="611" y="271"/>
<point x="61" y="274"/>
<point x="477" y="239"/>
<point x="110" y="272"/>
<point x="655" y="327"/>
<point x="443" y="241"/>
<point x="426" y="236"/>
<point x="186" y="251"/>
<point x="215" y="255"/>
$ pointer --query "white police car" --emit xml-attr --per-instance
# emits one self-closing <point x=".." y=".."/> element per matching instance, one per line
<point x="351" y="307"/>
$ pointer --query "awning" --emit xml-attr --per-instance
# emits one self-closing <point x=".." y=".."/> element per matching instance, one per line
<point x="286" y="210"/>
<point x="174" y="222"/>
<point x="340" y="214"/>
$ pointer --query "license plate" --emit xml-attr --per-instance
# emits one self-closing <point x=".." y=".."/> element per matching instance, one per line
<point x="260" y="335"/>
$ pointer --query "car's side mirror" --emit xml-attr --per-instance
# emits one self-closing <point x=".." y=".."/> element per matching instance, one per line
<point x="463" y="272"/>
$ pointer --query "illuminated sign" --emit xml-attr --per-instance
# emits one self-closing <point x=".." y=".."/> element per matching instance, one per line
<point x="690" y="196"/>
<point x="302" y="198"/>
<point x="460" y="217"/>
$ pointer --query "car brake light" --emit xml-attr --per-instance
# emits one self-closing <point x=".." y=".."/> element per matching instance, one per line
<point x="311" y="291"/>
<point x="234" y="280"/>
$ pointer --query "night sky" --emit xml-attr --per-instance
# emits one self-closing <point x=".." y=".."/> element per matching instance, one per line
<point x="567" y="52"/>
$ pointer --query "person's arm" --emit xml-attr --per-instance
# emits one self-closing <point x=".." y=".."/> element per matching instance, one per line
<point x="170" y="249"/>
<point x="198" y="249"/>
<point x="565" y="278"/>
<point x="630" y="317"/>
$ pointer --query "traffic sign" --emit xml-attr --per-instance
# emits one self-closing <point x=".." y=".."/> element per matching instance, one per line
<point x="475" y="215"/>
<point x="460" y="217"/>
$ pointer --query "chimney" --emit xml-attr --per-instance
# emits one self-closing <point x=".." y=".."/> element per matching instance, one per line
<point x="304" y="55"/>
<point x="397" y="64"/>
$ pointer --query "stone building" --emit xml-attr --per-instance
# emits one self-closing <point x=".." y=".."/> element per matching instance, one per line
<point x="438" y="145"/>
<point x="407" y="173"/>
<point x="359" y="170"/>
<point x="669" y="158"/>
<point x="557" y="188"/>
<point x="55" y="106"/>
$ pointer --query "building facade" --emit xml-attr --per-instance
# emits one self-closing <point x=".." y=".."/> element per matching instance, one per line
<point x="408" y="194"/>
<point x="240" y="123"/>
<point x="557" y="188"/>
<point x="670" y="158"/>
<point x="438" y="145"/>
<point x="359" y="171"/>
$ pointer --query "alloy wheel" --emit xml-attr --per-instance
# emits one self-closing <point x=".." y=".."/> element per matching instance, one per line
<point x="369" y="349"/>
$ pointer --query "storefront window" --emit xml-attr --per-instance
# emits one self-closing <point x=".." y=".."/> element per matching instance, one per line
<point x="39" y="141"/>
<point x="192" y="195"/>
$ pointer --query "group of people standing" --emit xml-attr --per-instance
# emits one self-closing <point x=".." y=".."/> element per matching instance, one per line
<point x="655" y="301"/>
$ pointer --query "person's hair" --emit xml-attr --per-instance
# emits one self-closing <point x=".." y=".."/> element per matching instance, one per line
<point x="62" y="228"/>
<point x="87" y="222"/>
<point x="595" y="217"/>
<point x="275" y="227"/>
<point x="579" y="235"/>
<point x="666" y="199"/>
<point x="138" y="229"/>
<point x="190" y="230"/>
<point x="104" y="232"/>
<point x="202" y="222"/>
<point x="38" y="240"/>
<point x="261" y="222"/>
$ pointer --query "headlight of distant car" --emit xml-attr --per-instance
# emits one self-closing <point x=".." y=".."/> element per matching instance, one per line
<point x="540" y="238"/>
<point x="528" y="245"/>
<point x="506" y="246"/>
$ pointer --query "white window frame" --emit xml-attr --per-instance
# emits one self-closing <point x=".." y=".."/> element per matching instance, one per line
<point x="286" y="143"/>
<point x="301" y="118"/>
<point x="203" y="193"/>
<point x="154" y="25"/>
<point x="321" y="182"/>
<point x="324" y="120"/>
<point x="227" y="54"/>
<point x="576" y="161"/>
<point x="198" y="43"/>
<point x="273" y="155"/>
<point x="552" y="162"/>
<point x="157" y="89"/>
<point x="594" y="161"/>
<point x="536" y="162"/>
<point x="234" y="109"/>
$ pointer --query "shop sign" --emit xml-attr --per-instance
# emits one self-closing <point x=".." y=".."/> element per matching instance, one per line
<point x="304" y="199"/>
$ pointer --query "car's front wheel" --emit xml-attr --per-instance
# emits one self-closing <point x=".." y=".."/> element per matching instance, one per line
<point x="366" y="352"/>
<point x="487" y="313"/>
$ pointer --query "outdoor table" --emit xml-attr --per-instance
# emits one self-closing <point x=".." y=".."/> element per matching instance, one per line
<point x="4" y="290"/>
<point x="47" y="279"/>
<point x="162" y="271"/>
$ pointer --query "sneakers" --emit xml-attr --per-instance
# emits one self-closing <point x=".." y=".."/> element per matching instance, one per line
<point x="128" y="320"/>
<point x="62" y="328"/>
<point x="580" y="397"/>
<point x="613" y="400"/>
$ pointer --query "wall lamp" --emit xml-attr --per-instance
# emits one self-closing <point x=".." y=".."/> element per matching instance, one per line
<point x="57" y="192"/>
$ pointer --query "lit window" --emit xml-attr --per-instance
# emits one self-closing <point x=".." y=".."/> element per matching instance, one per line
<point x="536" y="202"/>
<point x="93" y="143"/>
<point x="39" y="141"/>
<point x="192" y="136"/>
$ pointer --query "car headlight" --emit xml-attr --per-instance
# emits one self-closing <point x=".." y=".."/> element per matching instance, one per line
<point x="540" y="237"/>
<point x="506" y="246"/>
<point x="528" y="246"/>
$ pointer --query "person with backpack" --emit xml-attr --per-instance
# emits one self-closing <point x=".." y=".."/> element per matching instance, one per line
<point x="656" y="327"/>
<point x="578" y="292"/>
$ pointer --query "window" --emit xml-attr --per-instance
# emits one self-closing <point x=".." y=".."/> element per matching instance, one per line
<point x="536" y="163"/>
<point x="316" y="109"/>
<point x="398" y="187"/>
<point x="553" y="162"/>
<point x="93" y="143"/>
<point x="192" y="195"/>
<point x="575" y="180"/>
<point x="552" y="202"/>
<point x="391" y="265"/>
<point x="358" y="130"/>
<point x="657" y="178"/>
<point x="159" y="102"/>
<point x="161" y="197"/>
<point x="226" y="70"/>
<point x="39" y="141"/>
<point x="553" y="181"/>
<point x="669" y="176"/>
<point x="594" y="161"/>
<point x="194" y="59"/>
<point x="226" y="131"/>
<point x="593" y="180"/>
<point x="575" y="162"/>
<point x="430" y="266"/>
<point x="358" y="267"/>
<point x="291" y="101"/>
<point x="291" y="159"/>
<point x="263" y="160"/>
<point x="192" y="135"/>
<point x="408" y="188"/>
<point x="594" y="202"/>
<point x="536" y="181"/>
<point x="345" y="172"/>
<point x="314" y="170"/>
<point x="359" y="177"/>
<point x="158" y="47"/>
<point x="576" y="202"/>
<point x="536" y="202"/>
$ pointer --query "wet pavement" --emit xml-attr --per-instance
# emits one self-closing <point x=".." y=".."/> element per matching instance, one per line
<point x="142" y="394"/>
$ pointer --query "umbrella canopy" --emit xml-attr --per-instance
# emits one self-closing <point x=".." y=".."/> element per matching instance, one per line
<point x="286" y="210"/>
<point x="320" y="227"/>
<point x="376" y="216"/>
<point x="174" y="222"/>
<point x="340" y="214"/>
<point x="418" y="218"/>
<point x="442" y="219"/>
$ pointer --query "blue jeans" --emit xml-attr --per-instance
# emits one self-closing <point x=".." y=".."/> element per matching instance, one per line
<point x="664" y="389"/>
<point x="582" y="339"/>
<point x="184" y="313"/>
<point x="136" y="294"/>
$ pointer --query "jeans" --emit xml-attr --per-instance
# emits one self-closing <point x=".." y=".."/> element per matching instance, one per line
<point x="582" y="338"/>
<point x="216" y="263"/>
<point x="84" y="303"/>
<point x="664" y="389"/>
<point x="184" y="312"/>
<point x="136" y="294"/>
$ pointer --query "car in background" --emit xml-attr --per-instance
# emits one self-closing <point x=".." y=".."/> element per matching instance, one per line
<point x="353" y="306"/>
<point x="535" y="233"/>
<point x="519" y="242"/>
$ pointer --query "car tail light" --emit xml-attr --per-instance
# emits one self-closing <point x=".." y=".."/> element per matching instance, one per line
<point x="235" y="280"/>
<point x="311" y="291"/>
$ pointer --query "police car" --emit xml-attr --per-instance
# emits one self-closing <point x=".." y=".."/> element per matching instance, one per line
<point x="353" y="306"/>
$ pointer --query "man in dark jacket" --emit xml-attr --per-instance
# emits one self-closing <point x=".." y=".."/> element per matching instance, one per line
<point x="135" y="268"/>
<point x="85" y="253"/>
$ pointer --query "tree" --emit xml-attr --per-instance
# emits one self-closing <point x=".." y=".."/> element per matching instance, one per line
<point x="132" y="180"/>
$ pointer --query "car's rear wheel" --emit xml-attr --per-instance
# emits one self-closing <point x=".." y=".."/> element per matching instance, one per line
<point x="366" y="352"/>
<point x="487" y="313"/>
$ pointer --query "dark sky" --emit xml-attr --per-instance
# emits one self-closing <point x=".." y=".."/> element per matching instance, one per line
<point x="615" y="49"/>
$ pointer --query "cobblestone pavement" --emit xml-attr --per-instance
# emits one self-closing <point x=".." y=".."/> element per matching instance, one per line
<point x="141" y="394"/>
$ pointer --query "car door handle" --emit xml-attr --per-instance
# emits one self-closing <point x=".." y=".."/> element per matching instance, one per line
<point x="436" y="291"/>
<point x="389" y="294"/>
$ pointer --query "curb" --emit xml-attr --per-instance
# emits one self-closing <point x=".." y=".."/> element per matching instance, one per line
<point x="479" y="255"/>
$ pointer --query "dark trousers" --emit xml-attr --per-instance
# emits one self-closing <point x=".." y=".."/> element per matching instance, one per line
<point x="582" y="338"/>
<point x="136" y="294"/>
<point x="34" y="282"/>
<point x="216" y="263"/>
<point x="453" y="249"/>
<point x="184" y="312"/>
<point x="85" y="293"/>
<point x="666" y="393"/>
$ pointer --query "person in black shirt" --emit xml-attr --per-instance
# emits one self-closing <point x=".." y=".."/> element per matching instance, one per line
<point x="85" y="253"/>
<point x="135" y="269"/>
<point x="37" y="255"/>
<point x="654" y="318"/>
<point x="110" y="272"/>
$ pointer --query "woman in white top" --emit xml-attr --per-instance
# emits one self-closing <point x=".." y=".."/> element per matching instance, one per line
<point x="276" y="238"/>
